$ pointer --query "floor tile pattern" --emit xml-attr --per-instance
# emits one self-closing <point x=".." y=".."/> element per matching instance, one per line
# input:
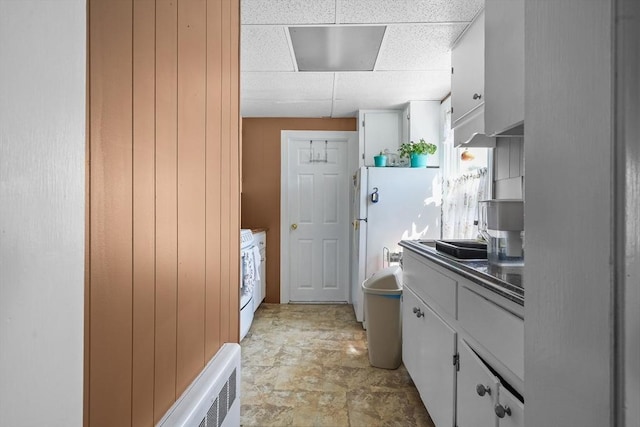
<point x="307" y="365"/>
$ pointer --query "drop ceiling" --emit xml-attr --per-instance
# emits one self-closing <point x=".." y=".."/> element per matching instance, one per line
<point x="413" y="63"/>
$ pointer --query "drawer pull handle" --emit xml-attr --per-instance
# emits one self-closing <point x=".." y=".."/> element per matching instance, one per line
<point x="481" y="390"/>
<point x="501" y="410"/>
<point x="418" y="312"/>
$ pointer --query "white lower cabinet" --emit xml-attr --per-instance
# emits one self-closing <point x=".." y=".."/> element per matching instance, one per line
<point x="511" y="410"/>
<point x="462" y="346"/>
<point x="483" y="401"/>
<point x="477" y="391"/>
<point x="428" y="349"/>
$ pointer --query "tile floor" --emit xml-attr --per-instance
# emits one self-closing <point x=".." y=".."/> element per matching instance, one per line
<point x="307" y="365"/>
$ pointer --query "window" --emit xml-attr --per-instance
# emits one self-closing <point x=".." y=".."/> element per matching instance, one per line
<point x="467" y="179"/>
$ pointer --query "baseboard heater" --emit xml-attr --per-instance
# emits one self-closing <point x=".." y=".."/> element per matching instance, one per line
<point x="213" y="398"/>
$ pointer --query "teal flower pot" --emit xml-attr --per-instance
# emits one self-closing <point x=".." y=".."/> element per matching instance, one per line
<point x="418" y="160"/>
<point x="380" y="161"/>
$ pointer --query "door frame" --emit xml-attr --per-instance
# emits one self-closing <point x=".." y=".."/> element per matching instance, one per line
<point x="285" y="135"/>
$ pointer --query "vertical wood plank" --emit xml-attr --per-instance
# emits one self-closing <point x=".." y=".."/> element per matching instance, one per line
<point x="225" y="171"/>
<point x="234" y="217"/>
<point x="191" y="188"/>
<point x="213" y="339"/>
<point x="143" y="211"/>
<point x="166" y="206"/>
<point x="111" y="217"/>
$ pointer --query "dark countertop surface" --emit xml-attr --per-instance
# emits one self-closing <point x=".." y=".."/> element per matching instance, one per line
<point x="504" y="281"/>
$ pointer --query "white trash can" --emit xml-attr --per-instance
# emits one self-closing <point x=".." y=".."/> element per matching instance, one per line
<point x="382" y="299"/>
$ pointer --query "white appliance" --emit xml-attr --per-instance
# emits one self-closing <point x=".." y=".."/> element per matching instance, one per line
<point x="213" y="398"/>
<point x="247" y="280"/>
<point x="390" y="204"/>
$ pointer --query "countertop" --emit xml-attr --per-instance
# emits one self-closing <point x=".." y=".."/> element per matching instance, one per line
<point x="505" y="281"/>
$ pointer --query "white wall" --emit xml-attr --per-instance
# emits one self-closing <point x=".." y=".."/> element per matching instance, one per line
<point x="42" y="154"/>
<point x="568" y="273"/>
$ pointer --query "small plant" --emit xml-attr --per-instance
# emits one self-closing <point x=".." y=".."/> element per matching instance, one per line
<point x="422" y="147"/>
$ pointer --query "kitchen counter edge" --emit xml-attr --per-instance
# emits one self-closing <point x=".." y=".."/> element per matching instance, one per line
<point x="500" y="287"/>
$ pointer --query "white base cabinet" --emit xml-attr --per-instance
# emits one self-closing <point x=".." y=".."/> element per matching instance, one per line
<point x="482" y="398"/>
<point x="477" y="391"/>
<point x="429" y="364"/>
<point x="462" y="346"/>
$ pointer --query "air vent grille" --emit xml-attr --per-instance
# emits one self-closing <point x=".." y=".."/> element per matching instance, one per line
<point x="220" y="407"/>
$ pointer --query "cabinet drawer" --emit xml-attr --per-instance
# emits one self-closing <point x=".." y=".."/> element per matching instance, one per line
<point x="496" y="329"/>
<point x="433" y="287"/>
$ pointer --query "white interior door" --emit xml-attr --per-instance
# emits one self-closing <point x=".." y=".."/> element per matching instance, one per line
<point x="315" y="226"/>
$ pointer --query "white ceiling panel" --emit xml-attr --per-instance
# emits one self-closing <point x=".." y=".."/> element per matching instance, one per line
<point x="349" y="108"/>
<point x="270" y="86"/>
<point x="285" y="109"/>
<point x="423" y="85"/>
<point x="418" y="47"/>
<point x="413" y="63"/>
<point x="381" y="11"/>
<point x="288" y="11"/>
<point x="265" y="48"/>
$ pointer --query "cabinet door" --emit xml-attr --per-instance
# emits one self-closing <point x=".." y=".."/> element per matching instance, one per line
<point x="467" y="79"/>
<point x="474" y="379"/>
<point x="428" y="346"/>
<point x="512" y="410"/>
<point x="382" y="130"/>
<point x="504" y="65"/>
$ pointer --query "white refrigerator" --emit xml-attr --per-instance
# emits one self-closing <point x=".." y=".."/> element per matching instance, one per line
<point x="390" y="204"/>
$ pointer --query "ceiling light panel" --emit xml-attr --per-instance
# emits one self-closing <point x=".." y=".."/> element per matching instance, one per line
<point x="265" y="48"/>
<point x="418" y="47"/>
<point x="336" y="48"/>
<point x="385" y="11"/>
<point x="286" y="87"/>
<point x="288" y="12"/>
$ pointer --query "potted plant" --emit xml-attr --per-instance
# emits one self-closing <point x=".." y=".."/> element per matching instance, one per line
<point x="417" y="152"/>
<point x="380" y="160"/>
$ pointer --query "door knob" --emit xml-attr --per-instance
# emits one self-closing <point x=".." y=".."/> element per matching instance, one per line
<point x="481" y="390"/>
<point x="294" y="226"/>
<point x="501" y="410"/>
<point x="477" y="96"/>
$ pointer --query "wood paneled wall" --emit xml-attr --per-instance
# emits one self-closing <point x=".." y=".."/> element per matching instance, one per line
<point x="163" y="250"/>
<point x="261" y="180"/>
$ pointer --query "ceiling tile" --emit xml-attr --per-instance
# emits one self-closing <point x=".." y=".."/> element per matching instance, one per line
<point x="288" y="11"/>
<point x="418" y="47"/>
<point x="285" y="109"/>
<point x="286" y="86"/>
<point x="381" y="11"/>
<point x="380" y="85"/>
<point x="265" y="48"/>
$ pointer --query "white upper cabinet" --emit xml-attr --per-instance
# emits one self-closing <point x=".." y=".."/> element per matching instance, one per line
<point x="467" y="86"/>
<point x="504" y="66"/>
<point x="421" y="119"/>
<point x="379" y="130"/>
<point x="467" y="73"/>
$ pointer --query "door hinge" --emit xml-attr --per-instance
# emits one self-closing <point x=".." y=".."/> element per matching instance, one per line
<point x="363" y="123"/>
<point x="451" y="70"/>
<point x="456" y="361"/>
